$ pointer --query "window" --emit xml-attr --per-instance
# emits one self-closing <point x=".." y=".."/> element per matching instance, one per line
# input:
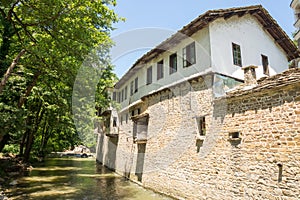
<point x="280" y="166"/>
<point x="114" y="122"/>
<point x="131" y="88"/>
<point x="122" y="96"/>
<point x="138" y="111"/>
<point x="126" y="91"/>
<point x="114" y="96"/>
<point x="201" y="125"/>
<point x="237" y="56"/>
<point x="189" y="55"/>
<point x="234" y="135"/>
<point x="121" y="120"/>
<point x="136" y="84"/>
<point x="149" y="75"/>
<point x="126" y="118"/>
<point x="173" y="63"/>
<point x="160" y="69"/>
<point x="265" y="63"/>
<point x="119" y="97"/>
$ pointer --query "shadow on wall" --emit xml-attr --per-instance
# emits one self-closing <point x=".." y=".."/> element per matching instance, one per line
<point x="140" y="161"/>
<point x="100" y="148"/>
<point x="110" y="157"/>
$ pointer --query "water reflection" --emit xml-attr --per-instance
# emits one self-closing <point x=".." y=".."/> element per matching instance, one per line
<point x="76" y="178"/>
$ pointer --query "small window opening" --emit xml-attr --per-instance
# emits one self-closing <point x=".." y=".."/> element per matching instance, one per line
<point x="139" y="111"/>
<point x="279" y="172"/>
<point x="265" y="63"/>
<point x="132" y="113"/>
<point x="201" y="126"/>
<point x="235" y="135"/>
<point x="126" y="118"/>
<point x="114" y="122"/>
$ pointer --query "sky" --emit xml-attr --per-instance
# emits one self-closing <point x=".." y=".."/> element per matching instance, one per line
<point x="149" y="22"/>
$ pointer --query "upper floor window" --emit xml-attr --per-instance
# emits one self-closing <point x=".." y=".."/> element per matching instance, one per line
<point x="173" y="63"/>
<point x="160" y="69"/>
<point x="114" y="96"/>
<point x="237" y="55"/>
<point x="122" y="96"/>
<point x="119" y="97"/>
<point x="189" y="55"/>
<point x="136" y="84"/>
<point x="149" y="75"/>
<point x="265" y="64"/>
<point x="131" y="88"/>
<point x="125" y="91"/>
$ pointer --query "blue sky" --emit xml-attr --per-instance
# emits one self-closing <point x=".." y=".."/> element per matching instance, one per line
<point x="168" y="16"/>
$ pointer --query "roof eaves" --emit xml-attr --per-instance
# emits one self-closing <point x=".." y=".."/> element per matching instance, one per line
<point x="201" y="21"/>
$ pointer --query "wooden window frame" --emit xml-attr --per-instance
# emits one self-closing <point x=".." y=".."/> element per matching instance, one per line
<point x="265" y="64"/>
<point x="237" y="54"/>
<point x="173" y="63"/>
<point x="125" y="92"/>
<point x="160" y="69"/>
<point x="136" y="84"/>
<point x="131" y="88"/>
<point x="149" y="75"/>
<point x="189" y="55"/>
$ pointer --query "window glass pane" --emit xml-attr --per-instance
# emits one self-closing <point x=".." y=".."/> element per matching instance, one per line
<point x="237" y="56"/>
<point x="189" y="55"/>
<point x="222" y="84"/>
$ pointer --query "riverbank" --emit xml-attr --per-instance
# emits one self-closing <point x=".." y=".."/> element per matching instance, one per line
<point x="11" y="168"/>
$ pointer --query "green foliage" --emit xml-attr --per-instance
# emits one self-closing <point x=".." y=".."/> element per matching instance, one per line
<point x="58" y="37"/>
<point x="11" y="148"/>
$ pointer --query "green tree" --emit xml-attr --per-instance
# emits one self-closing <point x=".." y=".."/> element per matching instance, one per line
<point x="56" y="36"/>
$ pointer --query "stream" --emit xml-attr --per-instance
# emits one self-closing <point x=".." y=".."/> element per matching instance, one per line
<point x="76" y="178"/>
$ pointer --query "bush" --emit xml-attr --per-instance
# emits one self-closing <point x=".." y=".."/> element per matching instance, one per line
<point x="11" y="148"/>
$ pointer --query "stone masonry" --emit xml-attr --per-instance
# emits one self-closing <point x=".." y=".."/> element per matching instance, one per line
<point x="251" y="149"/>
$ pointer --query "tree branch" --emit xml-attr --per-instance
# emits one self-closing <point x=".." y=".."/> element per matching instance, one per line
<point x="10" y="69"/>
<point x="24" y="27"/>
<point x="22" y="99"/>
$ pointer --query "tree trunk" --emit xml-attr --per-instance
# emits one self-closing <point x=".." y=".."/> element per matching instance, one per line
<point x="6" y="34"/>
<point x="4" y="141"/>
<point x="29" y="143"/>
<point x="9" y="70"/>
<point x="22" y="144"/>
<point x="28" y="89"/>
<point x="30" y="137"/>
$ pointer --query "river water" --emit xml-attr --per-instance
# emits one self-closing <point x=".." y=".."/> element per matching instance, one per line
<point x="77" y="178"/>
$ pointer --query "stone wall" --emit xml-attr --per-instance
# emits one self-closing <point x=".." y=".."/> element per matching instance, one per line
<point x="263" y="162"/>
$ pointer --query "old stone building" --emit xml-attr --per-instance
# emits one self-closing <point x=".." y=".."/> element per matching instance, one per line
<point x="205" y="128"/>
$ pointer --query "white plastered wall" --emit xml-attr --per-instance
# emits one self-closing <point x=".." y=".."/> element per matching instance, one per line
<point x="247" y="32"/>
